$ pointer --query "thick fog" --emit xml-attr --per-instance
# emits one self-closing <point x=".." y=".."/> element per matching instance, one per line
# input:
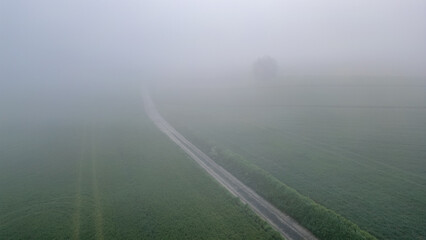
<point x="66" y="47"/>
<point x="388" y="36"/>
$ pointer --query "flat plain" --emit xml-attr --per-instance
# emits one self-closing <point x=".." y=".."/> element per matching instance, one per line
<point x="99" y="169"/>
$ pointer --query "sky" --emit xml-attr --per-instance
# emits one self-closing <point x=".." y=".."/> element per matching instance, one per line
<point x="57" y="38"/>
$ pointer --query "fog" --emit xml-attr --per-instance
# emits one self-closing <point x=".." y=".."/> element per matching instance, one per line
<point x="56" y="50"/>
<point x="317" y="106"/>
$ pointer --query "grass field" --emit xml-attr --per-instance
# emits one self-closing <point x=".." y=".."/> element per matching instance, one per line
<point x="358" y="150"/>
<point x="108" y="173"/>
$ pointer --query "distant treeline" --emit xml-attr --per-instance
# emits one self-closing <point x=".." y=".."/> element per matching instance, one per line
<point x="322" y="222"/>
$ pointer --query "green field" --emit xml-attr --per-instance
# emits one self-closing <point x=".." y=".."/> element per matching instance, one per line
<point x="356" y="149"/>
<point x="99" y="169"/>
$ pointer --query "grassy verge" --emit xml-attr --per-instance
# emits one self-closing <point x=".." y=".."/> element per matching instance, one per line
<point x="322" y="222"/>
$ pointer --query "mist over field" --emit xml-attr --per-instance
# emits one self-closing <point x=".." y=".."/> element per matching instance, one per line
<point x="56" y="54"/>
<point x="321" y="103"/>
<point x="50" y="39"/>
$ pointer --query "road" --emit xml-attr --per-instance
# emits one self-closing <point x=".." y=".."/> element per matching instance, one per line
<point x="281" y="222"/>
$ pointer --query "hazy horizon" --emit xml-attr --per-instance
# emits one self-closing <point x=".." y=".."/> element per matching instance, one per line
<point x="166" y="38"/>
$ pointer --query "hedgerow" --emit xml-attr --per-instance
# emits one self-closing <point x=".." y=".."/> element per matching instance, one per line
<point x="322" y="222"/>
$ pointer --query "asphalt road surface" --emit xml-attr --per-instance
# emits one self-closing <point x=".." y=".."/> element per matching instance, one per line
<point x="281" y="222"/>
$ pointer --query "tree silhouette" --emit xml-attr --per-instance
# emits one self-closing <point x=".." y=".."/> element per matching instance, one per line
<point x="265" y="68"/>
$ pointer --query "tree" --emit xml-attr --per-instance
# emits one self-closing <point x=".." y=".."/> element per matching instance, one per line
<point x="265" y="68"/>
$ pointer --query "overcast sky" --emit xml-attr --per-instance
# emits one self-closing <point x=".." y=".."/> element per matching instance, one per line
<point x="331" y="36"/>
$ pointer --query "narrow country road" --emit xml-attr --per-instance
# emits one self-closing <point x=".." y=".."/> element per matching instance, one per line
<point x="285" y="225"/>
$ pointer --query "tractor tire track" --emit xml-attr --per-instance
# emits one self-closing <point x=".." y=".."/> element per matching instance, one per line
<point x="77" y="212"/>
<point x="98" y="218"/>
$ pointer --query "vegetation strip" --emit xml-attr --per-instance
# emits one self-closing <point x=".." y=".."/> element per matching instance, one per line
<point x="323" y="222"/>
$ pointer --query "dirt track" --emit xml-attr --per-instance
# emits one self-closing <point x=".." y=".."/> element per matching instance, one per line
<point x="289" y="228"/>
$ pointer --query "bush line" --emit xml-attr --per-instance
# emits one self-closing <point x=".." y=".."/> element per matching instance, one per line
<point x="322" y="222"/>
